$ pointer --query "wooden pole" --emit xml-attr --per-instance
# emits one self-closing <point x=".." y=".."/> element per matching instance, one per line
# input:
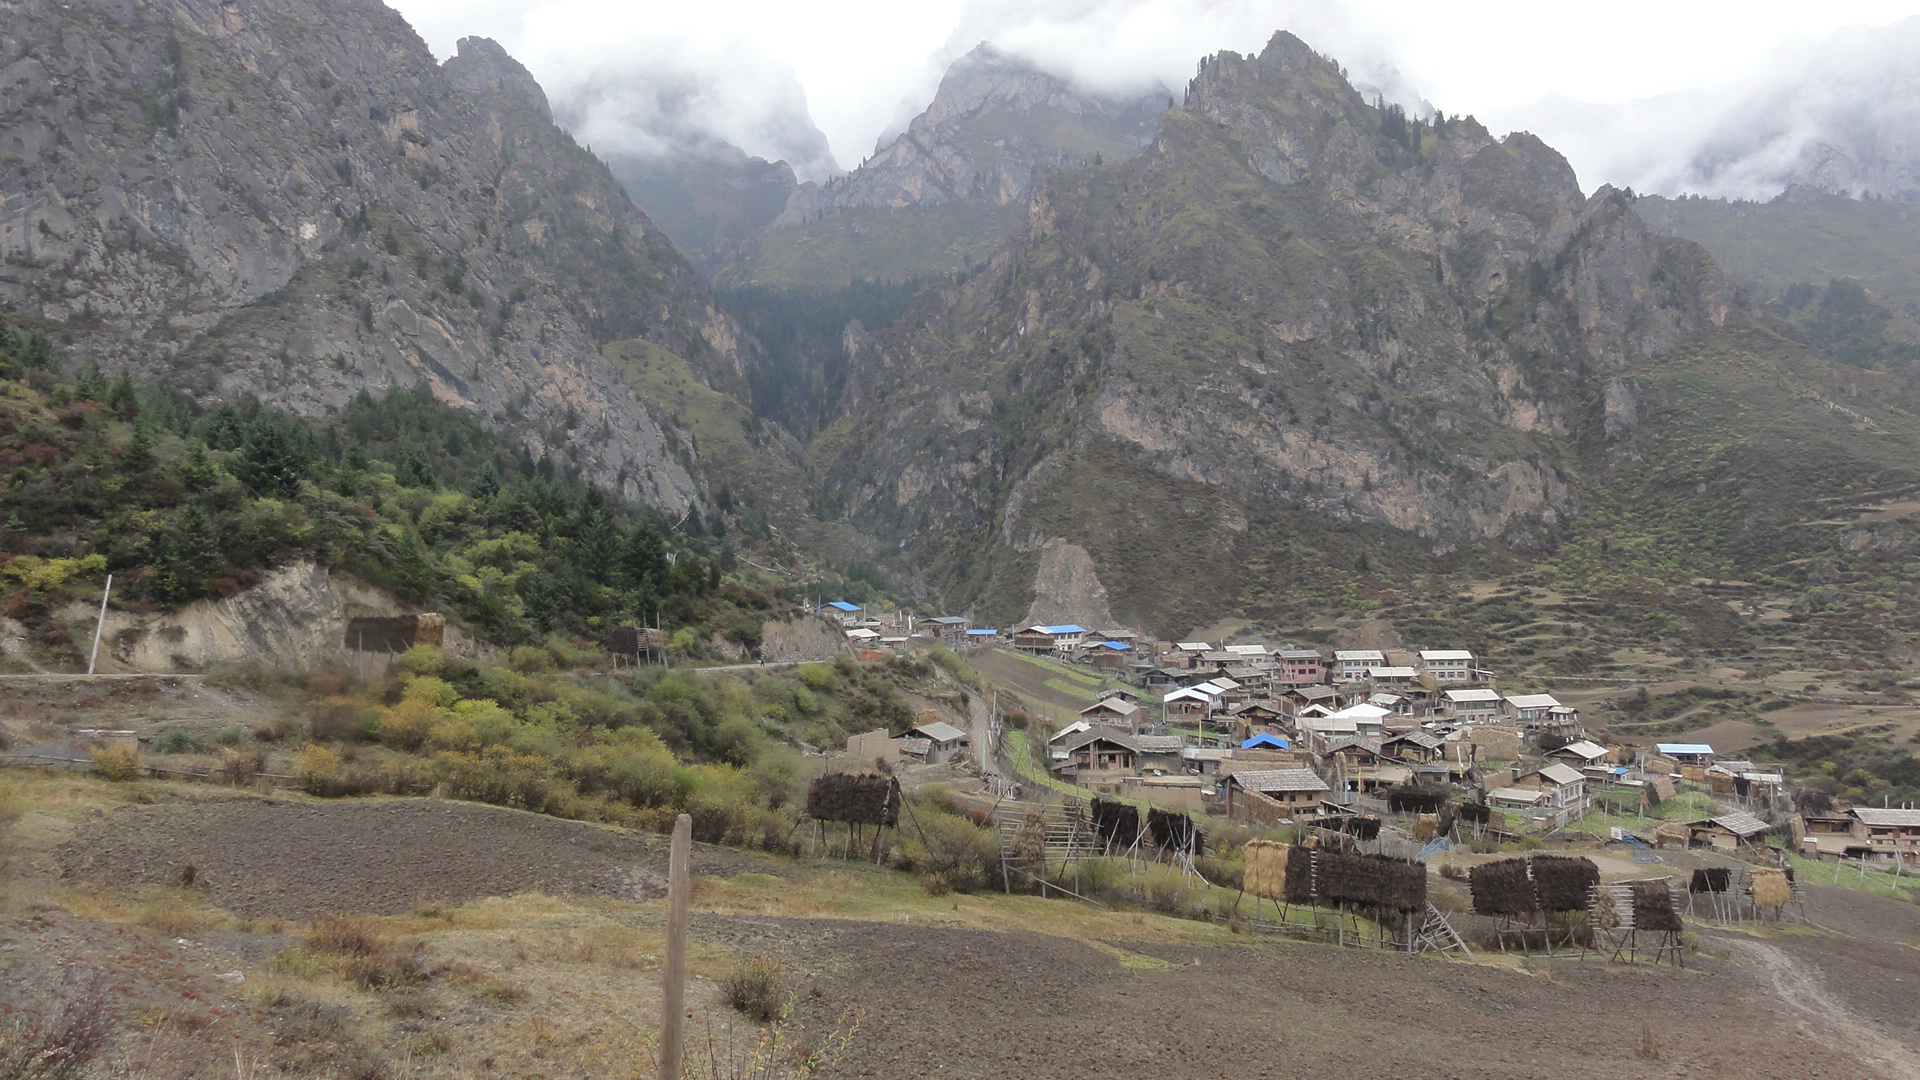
<point x="99" y="625"/>
<point x="673" y="980"/>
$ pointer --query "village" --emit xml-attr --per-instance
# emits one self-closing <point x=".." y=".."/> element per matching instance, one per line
<point x="1270" y="735"/>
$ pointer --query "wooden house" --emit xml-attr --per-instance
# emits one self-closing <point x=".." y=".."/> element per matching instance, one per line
<point x="1271" y="794"/>
<point x="1099" y="750"/>
<point x="1729" y="832"/>
<point x="1579" y="754"/>
<point x="1890" y="834"/>
<point x="1562" y="785"/>
<point x="1159" y="754"/>
<point x="1063" y="640"/>
<point x="1416" y="747"/>
<point x="1531" y="709"/>
<point x="1296" y="698"/>
<point x="951" y="629"/>
<point x="1117" y="711"/>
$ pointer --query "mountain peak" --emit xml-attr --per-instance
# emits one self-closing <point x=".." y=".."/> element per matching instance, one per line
<point x="482" y="68"/>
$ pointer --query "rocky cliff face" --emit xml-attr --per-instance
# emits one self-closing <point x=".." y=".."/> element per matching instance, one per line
<point x="947" y="190"/>
<point x="1297" y="333"/>
<point x="289" y="199"/>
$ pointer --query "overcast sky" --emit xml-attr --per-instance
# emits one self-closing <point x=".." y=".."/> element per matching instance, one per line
<point x="746" y="68"/>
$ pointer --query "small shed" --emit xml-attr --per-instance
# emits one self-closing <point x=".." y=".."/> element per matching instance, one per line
<point x="944" y="740"/>
<point x="1281" y="792"/>
<point x="1728" y="832"/>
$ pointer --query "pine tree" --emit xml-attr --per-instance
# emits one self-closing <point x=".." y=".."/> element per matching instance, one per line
<point x="90" y="385"/>
<point x="138" y="456"/>
<point x="487" y="484"/>
<point x="123" y="398"/>
<point x="272" y="460"/>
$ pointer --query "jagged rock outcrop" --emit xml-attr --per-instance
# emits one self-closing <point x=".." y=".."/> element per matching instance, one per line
<point x="1296" y="333"/>
<point x="290" y="199"/>
<point x="946" y="191"/>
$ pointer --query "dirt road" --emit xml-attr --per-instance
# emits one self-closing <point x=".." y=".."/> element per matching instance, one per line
<point x="1821" y="1015"/>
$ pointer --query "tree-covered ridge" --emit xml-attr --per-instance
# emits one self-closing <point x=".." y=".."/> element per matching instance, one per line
<point x="182" y="503"/>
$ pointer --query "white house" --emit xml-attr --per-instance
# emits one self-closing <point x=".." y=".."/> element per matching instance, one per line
<point x="1352" y="664"/>
<point x="1448" y="665"/>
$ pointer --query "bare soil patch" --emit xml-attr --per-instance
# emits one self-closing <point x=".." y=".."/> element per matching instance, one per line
<point x="961" y="1002"/>
<point x="299" y="859"/>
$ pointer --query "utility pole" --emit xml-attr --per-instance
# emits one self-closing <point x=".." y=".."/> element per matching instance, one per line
<point x="99" y="625"/>
<point x="673" y="978"/>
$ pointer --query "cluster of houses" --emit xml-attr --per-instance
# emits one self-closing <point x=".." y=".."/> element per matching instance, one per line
<point x="1278" y="733"/>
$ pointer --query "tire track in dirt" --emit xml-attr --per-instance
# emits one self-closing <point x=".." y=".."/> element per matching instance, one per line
<point x="1831" y="1021"/>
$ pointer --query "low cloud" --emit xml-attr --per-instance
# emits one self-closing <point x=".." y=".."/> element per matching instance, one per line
<point x="1842" y="113"/>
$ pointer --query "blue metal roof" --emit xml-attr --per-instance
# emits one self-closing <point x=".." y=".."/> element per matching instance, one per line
<point x="843" y="605"/>
<point x="1263" y="739"/>
<point x="1116" y="646"/>
<point x="945" y="620"/>
<point x="981" y="633"/>
<point x="1067" y="628"/>
<point x="1684" y="748"/>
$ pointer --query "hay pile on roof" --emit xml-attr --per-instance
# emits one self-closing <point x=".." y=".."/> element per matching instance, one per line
<point x="1653" y="907"/>
<point x="1371" y="880"/>
<point x="1501" y="888"/>
<point x="1299" y="880"/>
<point x="1562" y="883"/>
<point x="1672" y="830"/>
<point x="858" y="798"/>
<point x="1714" y="879"/>
<point x="1266" y="870"/>
<point x="1771" y="888"/>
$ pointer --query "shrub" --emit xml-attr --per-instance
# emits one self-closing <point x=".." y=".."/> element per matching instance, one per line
<point x="59" y="1043"/>
<point x="757" y="989"/>
<point x="118" y="763"/>
<point x="339" y="936"/>
<point x="318" y="770"/>
<point x="963" y="855"/>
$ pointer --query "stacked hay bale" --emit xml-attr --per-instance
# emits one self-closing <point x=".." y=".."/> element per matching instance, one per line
<point x="1772" y="888"/>
<point x="1715" y="879"/>
<point x="1562" y="883"/>
<point x="1375" y="881"/>
<point x="856" y="798"/>
<point x="1653" y="907"/>
<point x="1266" y="869"/>
<point x="1426" y="827"/>
<point x="1116" y="823"/>
<point x="1298" y="887"/>
<point x="1412" y="799"/>
<point x="1361" y="828"/>
<point x="1501" y="888"/>
<point x="1474" y="813"/>
<point x="1671" y="832"/>
<point x="1170" y="831"/>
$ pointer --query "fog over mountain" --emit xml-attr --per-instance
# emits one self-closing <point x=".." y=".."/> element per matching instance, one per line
<point x="1841" y="114"/>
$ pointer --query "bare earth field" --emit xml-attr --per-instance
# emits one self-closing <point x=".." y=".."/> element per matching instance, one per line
<point x="962" y="986"/>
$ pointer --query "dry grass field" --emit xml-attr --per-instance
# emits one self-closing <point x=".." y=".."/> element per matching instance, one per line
<point x="311" y="963"/>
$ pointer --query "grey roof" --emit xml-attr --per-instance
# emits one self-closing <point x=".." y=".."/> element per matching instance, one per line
<point x="1102" y="734"/>
<point x="1741" y="823"/>
<point x="1264" y="780"/>
<point x="1371" y="746"/>
<point x="1869" y="815"/>
<point x="1158" y="744"/>
<point x="1117" y="704"/>
<point x="1419" y="738"/>
<point x="941" y="731"/>
<point x="1315" y="692"/>
<point x="1299" y="654"/>
<point x="1243" y="671"/>
<point x="909" y="745"/>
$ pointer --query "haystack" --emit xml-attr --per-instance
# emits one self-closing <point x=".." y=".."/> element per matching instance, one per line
<point x="1298" y="888"/>
<point x="1361" y="828"/>
<point x="1562" y="883"/>
<point x="1653" y="907"/>
<point x="1426" y="827"/>
<point x="1771" y="889"/>
<point x="1501" y="888"/>
<point x="856" y="798"/>
<point x="1371" y="880"/>
<point x="1671" y="832"/>
<point x="1476" y="813"/>
<point x="1171" y="832"/>
<point x="1266" y="869"/>
<point x="1116" y="823"/>
<point x="1714" y="879"/>
<point x="1412" y="799"/>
